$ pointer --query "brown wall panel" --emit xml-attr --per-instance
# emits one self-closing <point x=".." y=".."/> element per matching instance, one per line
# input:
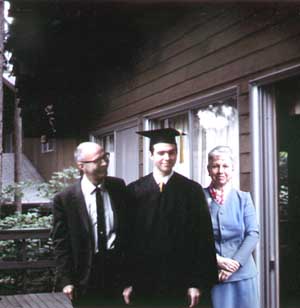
<point x="200" y="33"/>
<point x="245" y="181"/>
<point x="220" y="49"/>
<point x="177" y="34"/>
<point x="216" y="69"/>
<point x="245" y="162"/>
<point x="244" y="124"/>
<point x="243" y="104"/>
<point x="231" y="47"/>
<point x="258" y="61"/>
<point x="47" y="163"/>
<point x="245" y="143"/>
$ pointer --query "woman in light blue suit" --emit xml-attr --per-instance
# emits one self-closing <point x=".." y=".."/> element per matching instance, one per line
<point x="236" y="234"/>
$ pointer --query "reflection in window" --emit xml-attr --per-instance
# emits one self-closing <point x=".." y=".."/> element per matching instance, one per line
<point x="216" y="124"/>
<point x="107" y="142"/>
<point x="283" y="184"/>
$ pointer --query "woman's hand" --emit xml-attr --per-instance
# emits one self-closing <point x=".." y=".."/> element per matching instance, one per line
<point x="224" y="275"/>
<point x="228" y="264"/>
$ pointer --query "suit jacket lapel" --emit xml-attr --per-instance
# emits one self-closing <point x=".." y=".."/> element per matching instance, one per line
<point x="114" y="200"/>
<point x="79" y="203"/>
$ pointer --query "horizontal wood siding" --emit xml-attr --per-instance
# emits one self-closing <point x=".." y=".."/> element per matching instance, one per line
<point x="47" y="163"/>
<point x="224" y="46"/>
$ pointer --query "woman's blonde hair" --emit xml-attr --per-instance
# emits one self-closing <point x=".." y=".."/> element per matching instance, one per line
<point x="220" y="150"/>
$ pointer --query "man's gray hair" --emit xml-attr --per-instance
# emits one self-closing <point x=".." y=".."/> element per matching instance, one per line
<point x="82" y="148"/>
<point x="220" y="150"/>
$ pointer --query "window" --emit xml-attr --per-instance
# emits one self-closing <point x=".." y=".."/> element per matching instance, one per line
<point x="215" y="124"/>
<point x="108" y="143"/>
<point x="206" y="126"/>
<point x="48" y="146"/>
<point x="122" y="144"/>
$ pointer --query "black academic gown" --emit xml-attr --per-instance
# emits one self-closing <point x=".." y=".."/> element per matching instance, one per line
<point x="172" y="247"/>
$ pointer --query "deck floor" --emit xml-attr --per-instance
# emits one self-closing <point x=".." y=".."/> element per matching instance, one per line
<point x="39" y="300"/>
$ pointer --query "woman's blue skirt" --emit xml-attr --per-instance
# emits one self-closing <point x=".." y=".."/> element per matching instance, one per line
<point x="236" y="294"/>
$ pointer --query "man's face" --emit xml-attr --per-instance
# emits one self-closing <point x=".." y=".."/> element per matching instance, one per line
<point x="164" y="157"/>
<point x="94" y="164"/>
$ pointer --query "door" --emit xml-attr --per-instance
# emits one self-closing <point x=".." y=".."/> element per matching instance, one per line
<point x="288" y="123"/>
<point x="275" y="114"/>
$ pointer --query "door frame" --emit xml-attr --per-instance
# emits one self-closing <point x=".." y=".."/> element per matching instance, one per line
<point x="265" y="180"/>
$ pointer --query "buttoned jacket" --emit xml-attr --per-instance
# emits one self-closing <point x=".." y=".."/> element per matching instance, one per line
<point x="73" y="234"/>
<point x="236" y="231"/>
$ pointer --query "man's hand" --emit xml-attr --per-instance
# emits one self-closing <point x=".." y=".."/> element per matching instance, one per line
<point x="69" y="291"/>
<point x="127" y="294"/>
<point x="194" y="296"/>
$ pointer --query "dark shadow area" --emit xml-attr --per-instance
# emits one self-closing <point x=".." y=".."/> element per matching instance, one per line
<point x="288" y="121"/>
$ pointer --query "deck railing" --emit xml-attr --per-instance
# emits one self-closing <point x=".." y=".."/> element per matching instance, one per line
<point x="27" y="262"/>
<point x="21" y="235"/>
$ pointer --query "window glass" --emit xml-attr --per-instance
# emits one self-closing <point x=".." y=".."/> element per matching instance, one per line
<point x="48" y="146"/>
<point x="108" y="143"/>
<point x="213" y="125"/>
<point x="122" y="145"/>
<point x="127" y="154"/>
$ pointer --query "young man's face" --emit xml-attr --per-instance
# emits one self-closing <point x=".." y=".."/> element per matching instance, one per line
<point x="164" y="157"/>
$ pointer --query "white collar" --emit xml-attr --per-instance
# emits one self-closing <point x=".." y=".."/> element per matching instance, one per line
<point x="87" y="186"/>
<point x="159" y="178"/>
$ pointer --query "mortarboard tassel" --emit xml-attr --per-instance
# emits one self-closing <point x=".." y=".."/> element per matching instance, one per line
<point x="181" y="149"/>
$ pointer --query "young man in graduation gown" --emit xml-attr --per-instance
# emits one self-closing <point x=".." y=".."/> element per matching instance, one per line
<point x="172" y="248"/>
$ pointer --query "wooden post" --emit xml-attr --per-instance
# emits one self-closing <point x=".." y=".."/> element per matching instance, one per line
<point x="1" y="91"/>
<point x="18" y="153"/>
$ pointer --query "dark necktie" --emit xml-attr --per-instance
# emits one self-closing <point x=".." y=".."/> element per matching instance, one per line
<point x="102" y="240"/>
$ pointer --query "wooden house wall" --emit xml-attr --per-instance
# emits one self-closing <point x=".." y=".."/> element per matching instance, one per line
<point x="49" y="162"/>
<point x="209" y="49"/>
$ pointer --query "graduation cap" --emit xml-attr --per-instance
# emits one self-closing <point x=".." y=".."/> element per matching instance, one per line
<point x="163" y="135"/>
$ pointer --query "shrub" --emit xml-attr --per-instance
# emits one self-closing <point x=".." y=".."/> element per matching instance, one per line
<point x="33" y="280"/>
<point x="58" y="182"/>
<point x="16" y="281"/>
<point x="9" y="191"/>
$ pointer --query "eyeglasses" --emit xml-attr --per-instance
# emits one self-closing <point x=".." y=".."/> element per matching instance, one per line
<point x="104" y="158"/>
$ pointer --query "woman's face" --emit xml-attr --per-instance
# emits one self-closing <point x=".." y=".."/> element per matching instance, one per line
<point x="220" y="169"/>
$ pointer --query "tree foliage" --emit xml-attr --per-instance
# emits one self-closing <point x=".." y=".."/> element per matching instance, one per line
<point x="58" y="182"/>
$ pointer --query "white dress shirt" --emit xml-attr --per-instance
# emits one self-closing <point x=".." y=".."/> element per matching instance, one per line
<point x="88" y="190"/>
<point x="158" y="178"/>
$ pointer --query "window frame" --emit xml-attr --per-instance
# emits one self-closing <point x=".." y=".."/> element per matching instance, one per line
<point x="264" y="182"/>
<point x="47" y="147"/>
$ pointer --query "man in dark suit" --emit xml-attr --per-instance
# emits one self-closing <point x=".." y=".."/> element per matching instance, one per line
<point x="89" y="233"/>
<point x="172" y="249"/>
